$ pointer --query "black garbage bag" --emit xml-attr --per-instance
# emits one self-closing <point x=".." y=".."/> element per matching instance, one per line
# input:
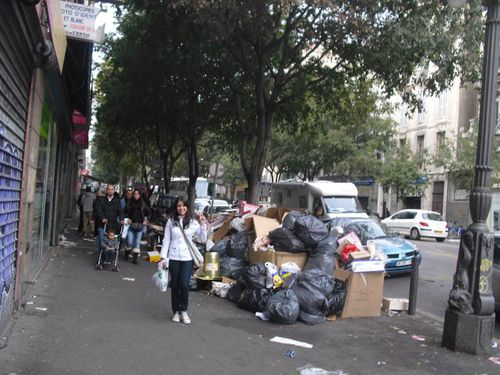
<point x="283" y="307"/>
<point x="284" y="240"/>
<point x="327" y="245"/>
<point x="289" y="280"/>
<point x="238" y="246"/>
<point x="323" y="262"/>
<point x="234" y="293"/>
<point x="290" y="218"/>
<point x="254" y="276"/>
<point x="232" y="267"/>
<point x="310" y="230"/>
<point x="318" y="279"/>
<point x="312" y="301"/>
<point x="221" y="247"/>
<point x="311" y="319"/>
<point x="254" y="299"/>
<point x="336" y="298"/>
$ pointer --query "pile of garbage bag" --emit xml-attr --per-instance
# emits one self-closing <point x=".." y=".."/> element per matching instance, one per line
<point x="310" y="298"/>
<point x="284" y="293"/>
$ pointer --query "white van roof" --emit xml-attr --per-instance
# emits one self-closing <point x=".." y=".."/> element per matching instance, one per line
<point x="329" y="188"/>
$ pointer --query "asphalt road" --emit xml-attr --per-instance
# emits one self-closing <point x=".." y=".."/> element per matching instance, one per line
<point x="436" y="279"/>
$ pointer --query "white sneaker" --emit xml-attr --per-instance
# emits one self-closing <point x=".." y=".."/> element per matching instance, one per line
<point x="185" y="318"/>
<point x="176" y="318"/>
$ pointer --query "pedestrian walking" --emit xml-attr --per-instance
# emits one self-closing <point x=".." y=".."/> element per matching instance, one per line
<point x="80" y="208"/>
<point x="176" y="253"/>
<point x="107" y="212"/>
<point x="127" y="195"/>
<point x="87" y="202"/>
<point x="137" y="213"/>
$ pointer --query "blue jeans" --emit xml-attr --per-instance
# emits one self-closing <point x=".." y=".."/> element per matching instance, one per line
<point x="180" y="274"/>
<point x="100" y="236"/>
<point x="134" y="238"/>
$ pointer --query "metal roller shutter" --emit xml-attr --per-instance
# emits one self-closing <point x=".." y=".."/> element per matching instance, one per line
<point x="16" y="68"/>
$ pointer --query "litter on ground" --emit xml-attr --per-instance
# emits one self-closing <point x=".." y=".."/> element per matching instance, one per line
<point x="284" y="340"/>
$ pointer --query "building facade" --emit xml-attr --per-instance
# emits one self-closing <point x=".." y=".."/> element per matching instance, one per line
<point x="442" y="119"/>
<point x="44" y="86"/>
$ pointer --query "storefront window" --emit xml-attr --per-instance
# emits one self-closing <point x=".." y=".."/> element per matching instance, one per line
<point x="38" y="243"/>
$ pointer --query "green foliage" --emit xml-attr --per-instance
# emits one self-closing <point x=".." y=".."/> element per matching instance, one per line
<point x="402" y="169"/>
<point x="459" y="158"/>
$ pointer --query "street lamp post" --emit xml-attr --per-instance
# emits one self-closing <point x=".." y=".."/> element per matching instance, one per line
<point x="470" y="319"/>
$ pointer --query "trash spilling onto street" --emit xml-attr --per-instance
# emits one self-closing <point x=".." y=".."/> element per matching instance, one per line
<point x="287" y="266"/>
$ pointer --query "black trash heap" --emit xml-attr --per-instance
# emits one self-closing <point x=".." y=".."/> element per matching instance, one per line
<point x="285" y="292"/>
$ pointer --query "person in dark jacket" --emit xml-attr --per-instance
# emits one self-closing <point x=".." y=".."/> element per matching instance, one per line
<point x="137" y="213"/>
<point x="107" y="213"/>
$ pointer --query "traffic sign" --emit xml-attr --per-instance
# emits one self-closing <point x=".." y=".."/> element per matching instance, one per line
<point x="216" y="170"/>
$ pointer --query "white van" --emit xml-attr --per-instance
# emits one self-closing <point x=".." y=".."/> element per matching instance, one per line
<point x="338" y="199"/>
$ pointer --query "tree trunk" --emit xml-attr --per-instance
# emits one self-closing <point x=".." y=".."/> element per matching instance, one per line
<point x="192" y="154"/>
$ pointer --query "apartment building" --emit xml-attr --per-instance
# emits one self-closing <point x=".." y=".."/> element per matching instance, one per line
<point x="442" y="119"/>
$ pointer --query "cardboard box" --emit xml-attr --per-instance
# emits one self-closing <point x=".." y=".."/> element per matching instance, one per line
<point x="277" y="257"/>
<point x="368" y="266"/>
<point x="227" y="280"/>
<point x="261" y="225"/>
<point x="363" y="293"/>
<point x="359" y="255"/>
<point x="397" y="304"/>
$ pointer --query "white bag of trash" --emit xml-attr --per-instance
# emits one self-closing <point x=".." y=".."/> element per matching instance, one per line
<point x="289" y="267"/>
<point x="220" y="289"/>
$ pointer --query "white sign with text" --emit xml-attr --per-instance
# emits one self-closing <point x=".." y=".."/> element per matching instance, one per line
<point x="79" y="22"/>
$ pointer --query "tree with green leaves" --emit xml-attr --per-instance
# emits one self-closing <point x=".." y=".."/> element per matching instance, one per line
<point x="458" y="158"/>
<point x="275" y="51"/>
<point x="402" y="171"/>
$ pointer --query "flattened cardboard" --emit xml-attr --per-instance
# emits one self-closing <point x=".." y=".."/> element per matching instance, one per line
<point x="220" y="233"/>
<point x="363" y="293"/>
<point x="264" y="225"/>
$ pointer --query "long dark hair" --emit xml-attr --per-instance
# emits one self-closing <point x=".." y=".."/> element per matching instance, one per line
<point x="187" y="217"/>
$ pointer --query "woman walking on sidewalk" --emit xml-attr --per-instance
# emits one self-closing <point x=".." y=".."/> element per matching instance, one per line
<point x="137" y="213"/>
<point x="180" y="229"/>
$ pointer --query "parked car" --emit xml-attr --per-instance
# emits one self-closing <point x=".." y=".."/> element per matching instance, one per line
<point x="496" y="272"/>
<point x="215" y="208"/>
<point x="418" y="223"/>
<point x="399" y="251"/>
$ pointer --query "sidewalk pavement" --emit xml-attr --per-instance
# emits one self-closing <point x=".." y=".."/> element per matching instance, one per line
<point x="81" y="321"/>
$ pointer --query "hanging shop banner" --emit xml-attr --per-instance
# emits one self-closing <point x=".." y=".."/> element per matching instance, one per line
<point x="79" y="119"/>
<point x="57" y="30"/>
<point x="81" y="137"/>
<point x="79" y="21"/>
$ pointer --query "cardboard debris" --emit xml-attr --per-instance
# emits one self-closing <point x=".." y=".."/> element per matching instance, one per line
<point x="363" y="292"/>
<point x="277" y="257"/>
<point x="394" y="304"/>
<point x="359" y="255"/>
<point x="223" y="231"/>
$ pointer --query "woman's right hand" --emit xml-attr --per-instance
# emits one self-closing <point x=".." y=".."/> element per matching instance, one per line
<point x="163" y="264"/>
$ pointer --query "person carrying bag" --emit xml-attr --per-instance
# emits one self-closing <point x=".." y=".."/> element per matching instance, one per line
<point x="180" y="253"/>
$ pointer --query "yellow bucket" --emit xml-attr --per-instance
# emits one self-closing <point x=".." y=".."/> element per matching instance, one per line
<point x="211" y="268"/>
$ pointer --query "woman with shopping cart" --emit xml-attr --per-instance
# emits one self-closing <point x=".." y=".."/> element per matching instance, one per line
<point x="136" y="214"/>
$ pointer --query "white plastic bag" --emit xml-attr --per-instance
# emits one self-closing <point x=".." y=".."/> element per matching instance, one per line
<point x="289" y="267"/>
<point x="160" y="278"/>
<point x="126" y="225"/>
<point x="272" y="272"/>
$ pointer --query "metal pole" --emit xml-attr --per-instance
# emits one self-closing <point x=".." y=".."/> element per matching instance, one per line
<point x="470" y="319"/>
<point x="415" y="267"/>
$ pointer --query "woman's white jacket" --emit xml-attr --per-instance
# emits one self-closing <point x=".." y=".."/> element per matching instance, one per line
<point x="174" y="246"/>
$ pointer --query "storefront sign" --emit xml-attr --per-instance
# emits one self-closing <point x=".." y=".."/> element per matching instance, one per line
<point x="81" y="137"/>
<point x="79" y="119"/>
<point x="57" y="30"/>
<point x="79" y="21"/>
